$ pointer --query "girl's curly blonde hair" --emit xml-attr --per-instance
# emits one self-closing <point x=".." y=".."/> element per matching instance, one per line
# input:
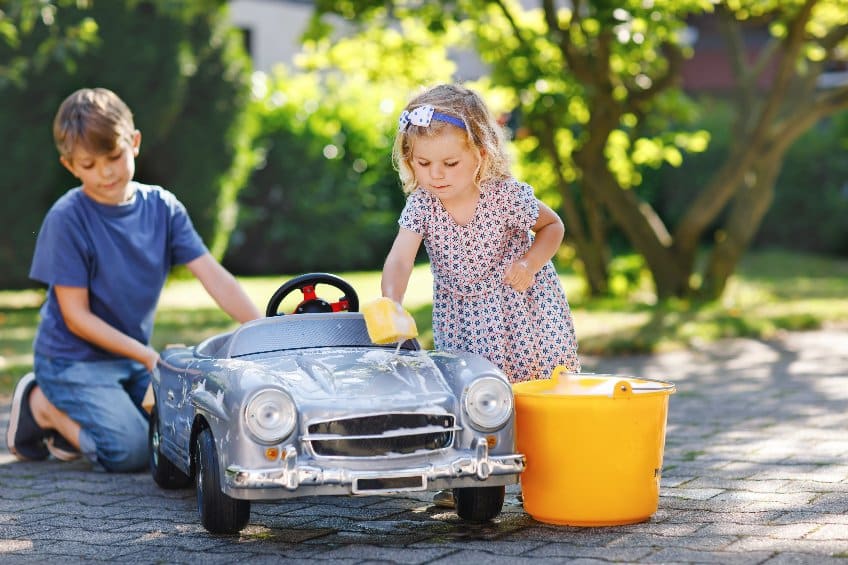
<point x="482" y="131"/>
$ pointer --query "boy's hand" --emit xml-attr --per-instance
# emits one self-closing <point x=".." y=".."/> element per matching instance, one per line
<point x="519" y="276"/>
<point x="150" y="359"/>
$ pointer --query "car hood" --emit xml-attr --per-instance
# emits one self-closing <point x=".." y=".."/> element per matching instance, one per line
<point x="349" y="374"/>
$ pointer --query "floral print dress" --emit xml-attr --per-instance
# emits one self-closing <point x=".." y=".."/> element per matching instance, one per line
<point x="526" y="334"/>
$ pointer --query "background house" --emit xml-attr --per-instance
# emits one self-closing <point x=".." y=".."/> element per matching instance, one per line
<point x="272" y="31"/>
<point x="272" y="28"/>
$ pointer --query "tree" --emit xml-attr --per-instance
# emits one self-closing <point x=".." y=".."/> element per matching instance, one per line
<point x="595" y="84"/>
<point x="178" y="65"/>
<point x="21" y="19"/>
<point x="807" y="36"/>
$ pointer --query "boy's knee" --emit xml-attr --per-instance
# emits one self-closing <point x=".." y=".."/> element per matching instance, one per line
<point x="126" y="453"/>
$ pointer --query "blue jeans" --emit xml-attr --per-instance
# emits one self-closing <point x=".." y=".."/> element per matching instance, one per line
<point x="104" y="398"/>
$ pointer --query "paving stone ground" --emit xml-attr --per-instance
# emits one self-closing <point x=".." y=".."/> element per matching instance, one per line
<point x="755" y="472"/>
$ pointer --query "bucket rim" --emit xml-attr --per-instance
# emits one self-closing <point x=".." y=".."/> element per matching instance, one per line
<point x="660" y="386"/>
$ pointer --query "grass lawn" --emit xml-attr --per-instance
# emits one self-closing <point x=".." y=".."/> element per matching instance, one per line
<point x="771" y="291"/>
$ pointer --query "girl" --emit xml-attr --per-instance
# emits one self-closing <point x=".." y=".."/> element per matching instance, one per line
<point x="495" y="290"/>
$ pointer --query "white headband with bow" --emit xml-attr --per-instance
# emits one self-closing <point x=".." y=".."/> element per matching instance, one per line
<point x="423" y="115"/>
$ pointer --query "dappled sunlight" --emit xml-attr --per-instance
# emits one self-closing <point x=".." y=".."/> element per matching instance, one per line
<point x="17" y="330"/>
<point x="816" y="348"/>
<point x="773" y="265"/>
<point x="785" y="275"/>
<point x="15" y="546"/>
<point x="187" y="293"/>
<point x="743" y="293"/>
<point x="19" y="333"/>
<point x="600" y="331"/>
<point x="762" y="410"/>
<point x="14" y="299"/>
<point x="806" y="287"/>
<point x="19" y="360"/>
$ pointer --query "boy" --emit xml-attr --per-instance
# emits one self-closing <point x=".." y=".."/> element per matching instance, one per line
<point x="105" y="250"/>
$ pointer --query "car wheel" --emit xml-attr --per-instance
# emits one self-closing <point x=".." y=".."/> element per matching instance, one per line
<point x="219" y="513"/>
<point x="166" y="474"/>
<point x="479" y="504"/>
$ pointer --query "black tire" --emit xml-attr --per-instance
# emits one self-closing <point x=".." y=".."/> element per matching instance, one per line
<point x="479" y="504"/>
<point x="165" y="473"/>
<point x="219" y="513"/>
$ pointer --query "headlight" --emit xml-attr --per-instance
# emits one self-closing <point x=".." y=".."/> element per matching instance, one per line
<point x="270" y="416"/>
<point x="488" y="402"/>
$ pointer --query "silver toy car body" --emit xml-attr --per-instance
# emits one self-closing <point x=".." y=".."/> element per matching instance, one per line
<point x="306" y="404"/>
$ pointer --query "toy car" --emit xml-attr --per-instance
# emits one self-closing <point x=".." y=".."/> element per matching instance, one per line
<point x="305" y="404"/>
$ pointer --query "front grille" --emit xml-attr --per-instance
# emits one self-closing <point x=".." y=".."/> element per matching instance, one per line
<point x="381" y="434"/>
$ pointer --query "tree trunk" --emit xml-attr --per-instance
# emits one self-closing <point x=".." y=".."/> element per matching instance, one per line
<point x="742" y="188"/>
<point x="747" y="210"/>
<point x="640" y="223"/>
<point x="599" y="252"/>
<point x="592" y="254"/>
<point x="589" y="240"/>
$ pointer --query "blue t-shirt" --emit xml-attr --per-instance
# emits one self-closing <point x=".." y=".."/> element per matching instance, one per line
<point x="122" y="254"/>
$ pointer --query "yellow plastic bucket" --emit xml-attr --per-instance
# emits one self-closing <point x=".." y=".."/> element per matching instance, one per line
<point x="594" y="447"/>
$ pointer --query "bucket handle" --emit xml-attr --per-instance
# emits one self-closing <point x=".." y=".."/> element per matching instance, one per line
<point x="662" y="386"/>
<point x="666" y="387"/>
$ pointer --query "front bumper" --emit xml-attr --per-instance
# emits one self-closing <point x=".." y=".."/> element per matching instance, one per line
<point x="471" y="468"/>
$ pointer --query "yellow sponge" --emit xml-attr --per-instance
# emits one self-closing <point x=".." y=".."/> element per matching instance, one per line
<point x="388" y="322"/>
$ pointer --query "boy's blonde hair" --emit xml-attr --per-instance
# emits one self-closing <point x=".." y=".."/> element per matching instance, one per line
<point x="481" y="129"/>
<point x="95" y="119"/>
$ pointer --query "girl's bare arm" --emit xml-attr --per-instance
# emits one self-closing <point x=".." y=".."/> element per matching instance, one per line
<point x="399" y="263"/>
<point x="549" y="231"/>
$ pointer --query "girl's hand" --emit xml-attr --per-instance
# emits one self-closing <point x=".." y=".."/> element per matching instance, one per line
<point x="519" y="276"/>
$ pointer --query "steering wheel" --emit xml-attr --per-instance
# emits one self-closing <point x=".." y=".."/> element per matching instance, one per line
<point x="311" y="302"/>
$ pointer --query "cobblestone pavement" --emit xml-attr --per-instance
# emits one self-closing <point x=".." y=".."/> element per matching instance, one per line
<point x="755" y="471"/>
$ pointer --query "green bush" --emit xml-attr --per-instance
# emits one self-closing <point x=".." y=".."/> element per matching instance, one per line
<point x="811" y="196"/>
<point x="325" y="196"/>
<point x="182" y="72"/>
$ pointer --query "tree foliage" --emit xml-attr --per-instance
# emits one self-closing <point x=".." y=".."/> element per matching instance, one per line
<point x="594" y="87"/>
<point x="176" y="64"/>
<point x="325" y="192"/>
<point x="806" y="37"/>
<point x="21" y="20"/>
